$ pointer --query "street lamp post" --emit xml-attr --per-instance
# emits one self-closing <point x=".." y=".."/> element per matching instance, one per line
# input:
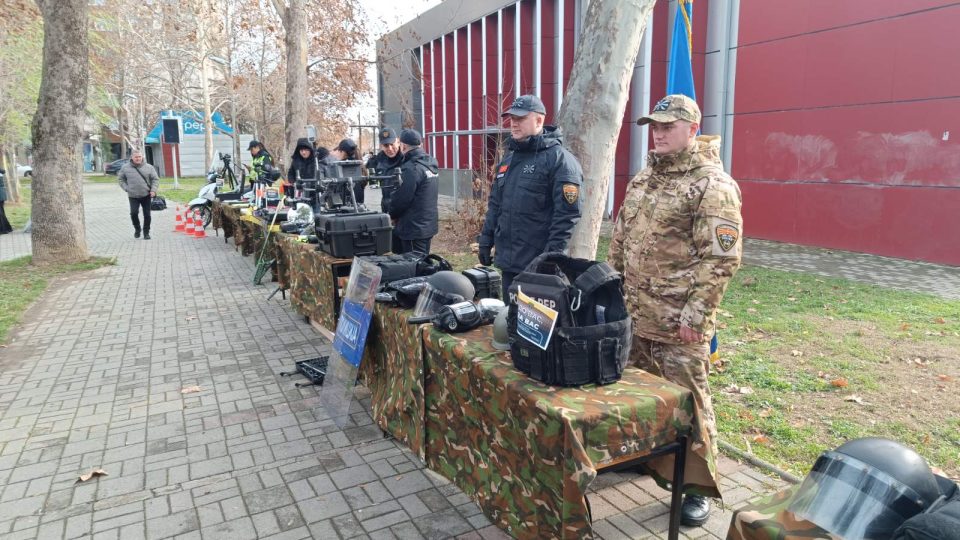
<point x="227" y="68"/>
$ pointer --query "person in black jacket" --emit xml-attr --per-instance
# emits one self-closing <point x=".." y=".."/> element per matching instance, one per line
<point x="413" y="205"/>
<point x="347" y="151"/>
<point x="302" y="162"/>
<point x="387" y="160"/>
<point x="535" y="198"/>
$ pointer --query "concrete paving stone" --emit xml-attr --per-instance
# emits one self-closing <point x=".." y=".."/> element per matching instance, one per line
<point x="236" y="529"/>
<point x="406" y="531"/>
<point x="135" y="531"/>
<point x="405" y="484"/>
<point x="353" y="476"/>
<point x="608" y="531"/>
<point x="288" y="517"/>
<point x="323" y="507"/>
<point x="385" y="520"/>
<point x="629" y="527"/>
<point x="268" y="499"/>
<point x="442" y="524"/>
<point x="413" y="506"/>
<point x="383" y="534"/>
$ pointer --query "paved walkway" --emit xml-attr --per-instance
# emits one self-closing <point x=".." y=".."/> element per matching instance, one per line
<point x="93" y="378"/>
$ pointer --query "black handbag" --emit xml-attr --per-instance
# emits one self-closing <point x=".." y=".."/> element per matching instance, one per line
<point x="158" y="203"/>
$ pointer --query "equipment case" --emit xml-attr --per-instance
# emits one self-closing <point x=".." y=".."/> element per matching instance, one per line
<point x="486" y="281"/>
<point x="346" y="235"/>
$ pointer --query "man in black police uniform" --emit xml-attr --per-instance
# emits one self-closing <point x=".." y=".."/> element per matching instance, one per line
<point x="387" y="160"/>
<point x="535" y="198"/>
<point x="413" y="205"/>
<point x="262" y="162"/>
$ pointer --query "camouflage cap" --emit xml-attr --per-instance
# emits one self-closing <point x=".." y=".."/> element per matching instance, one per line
<point x="672" y="108"/>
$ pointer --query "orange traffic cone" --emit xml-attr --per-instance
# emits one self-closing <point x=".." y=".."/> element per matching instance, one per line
<point x="200" y="232"/>
<point x="189" y="226"/>
<point x="179" y="219"/>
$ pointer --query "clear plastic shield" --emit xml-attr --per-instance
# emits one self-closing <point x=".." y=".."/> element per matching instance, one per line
<point x="356" y="310"/>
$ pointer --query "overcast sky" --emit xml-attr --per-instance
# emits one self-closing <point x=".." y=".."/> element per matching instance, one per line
<point x="384" y="16"/>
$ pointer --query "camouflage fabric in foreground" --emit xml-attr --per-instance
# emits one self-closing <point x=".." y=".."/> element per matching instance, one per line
<point x="225" y="217"/>
<point x="309" y="277"/>
<point x="768" y="519"/>
<point x="393" y="371"/>
<point x="527" y="452"/>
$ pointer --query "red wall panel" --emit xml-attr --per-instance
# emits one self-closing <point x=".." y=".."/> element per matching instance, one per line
<point x="843" y="120"/>
<point x="569" y="39"/>
<point x="907" y="222"/>
<point x="507" y="56"/>
<point x="768" y="20"/>
<point x="526" y="46"/>
<point x="887" y="144"/>
<point x="427" y="96"/>
<point x="548" y="58"/>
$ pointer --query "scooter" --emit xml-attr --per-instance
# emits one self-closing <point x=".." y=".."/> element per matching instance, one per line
<point x="203" y="203"/>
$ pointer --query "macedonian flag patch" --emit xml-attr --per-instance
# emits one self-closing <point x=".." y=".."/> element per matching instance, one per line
<point x="571" y="192"/>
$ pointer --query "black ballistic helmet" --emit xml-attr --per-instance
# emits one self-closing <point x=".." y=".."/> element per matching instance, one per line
<point x="865" y="488"/>
<point x="442" y="289"/>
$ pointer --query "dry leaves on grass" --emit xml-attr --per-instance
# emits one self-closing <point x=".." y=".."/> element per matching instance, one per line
<point x="839" y="382"/>
<point x="734" y="389"/>
<point x="940" y="320"/>
<point x="190" y="389"/>
<point x="93" y="473"/>
<point x="796" y="353"/>
<point x="853" y="398"/>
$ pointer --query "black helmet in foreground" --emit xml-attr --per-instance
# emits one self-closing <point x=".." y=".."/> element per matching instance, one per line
<point x="865" y="488"/>
<point x="442" y="289"/>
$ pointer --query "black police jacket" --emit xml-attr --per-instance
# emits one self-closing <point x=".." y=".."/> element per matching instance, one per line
<point x="382" y="164"/>
<point x="414" y="203"/>
<point x="534" y="201"/>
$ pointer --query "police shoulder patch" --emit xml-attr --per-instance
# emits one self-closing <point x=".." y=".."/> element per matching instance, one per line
<point x="726" y="234"/>
<point x="570" y="193"/>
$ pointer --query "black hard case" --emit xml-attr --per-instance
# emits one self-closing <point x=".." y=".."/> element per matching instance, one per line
<point x="346" y="235"/>
<point x="486" y="281"/>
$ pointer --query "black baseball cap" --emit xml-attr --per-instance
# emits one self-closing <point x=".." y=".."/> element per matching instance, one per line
<point x="346" y="145"/>
<point x="411" y="137"/>
<point x="254" y="143"/>
<point x="525" y="105"/>
<point x="388" y="136"/>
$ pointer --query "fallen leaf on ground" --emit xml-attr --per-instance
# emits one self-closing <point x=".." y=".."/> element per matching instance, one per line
<point x="792" y="299"/>
<point x="191" y="318"/>
<point x="190" y="389"/>
<point x="796" y="353"/>
<point x="94" y="472"/>
<point x="839" y="382"/>
<point x="854" y="398"/>
<point x="748" y="281"/>
<point x="904" y="327"/>
<point x="751" y="310"/>
<point x="761" y="439"/>
<point x="927" y="439"/>
<point x="945" y="378"/>
<point x="766" y="413"/>
<point x="940" y="320"/>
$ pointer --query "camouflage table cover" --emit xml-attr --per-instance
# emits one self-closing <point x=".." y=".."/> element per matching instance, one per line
<point x="309" y="275"/>
<point x="248" y="235"/>
<point x="393" y="371"/>
<point x="224" y="219"/>
<point x="769" y="519"/>
<point x="527" y="452"/>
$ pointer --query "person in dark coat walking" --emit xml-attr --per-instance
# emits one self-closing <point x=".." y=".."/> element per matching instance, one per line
<point x="413" y="205"/>
<point x="535" y="198"/>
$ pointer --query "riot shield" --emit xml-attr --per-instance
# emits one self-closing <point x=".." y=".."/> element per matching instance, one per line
<point x="356" y="310"/>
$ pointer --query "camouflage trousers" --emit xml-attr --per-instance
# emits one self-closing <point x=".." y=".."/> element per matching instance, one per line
<point x="686" y="365"/>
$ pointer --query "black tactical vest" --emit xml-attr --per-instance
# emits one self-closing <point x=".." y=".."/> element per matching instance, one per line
<point x="592" y="336"/>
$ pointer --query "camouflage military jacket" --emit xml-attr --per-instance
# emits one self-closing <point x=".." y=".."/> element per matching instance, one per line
<point x="678" y="241"/>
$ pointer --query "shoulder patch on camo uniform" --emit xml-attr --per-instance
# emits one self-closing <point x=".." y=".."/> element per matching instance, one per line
<point x="726" y="234"/>
<point x="570" y="193"/>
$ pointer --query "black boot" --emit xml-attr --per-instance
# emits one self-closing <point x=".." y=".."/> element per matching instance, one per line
<point x="136" y="233"/>
<point x="146" y="236"/>
<point x="695" y="510"/>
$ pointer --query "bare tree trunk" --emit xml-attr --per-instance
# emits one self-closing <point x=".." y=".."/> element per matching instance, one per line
<point x="207" y="117"/>
<point x="58" y="232"/>
<point x="13" y="177"/>
<point x="296" y="109"/>
<point x="592" y="111"/>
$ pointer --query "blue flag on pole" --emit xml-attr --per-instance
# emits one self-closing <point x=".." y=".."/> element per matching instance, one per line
<point x="680" y="75"/>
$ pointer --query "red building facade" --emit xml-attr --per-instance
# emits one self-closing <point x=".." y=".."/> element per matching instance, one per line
<point x="839" y="118"/>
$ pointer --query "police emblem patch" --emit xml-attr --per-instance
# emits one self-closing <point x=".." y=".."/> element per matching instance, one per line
<point x="528" y="169"/>
<point x="384" y="133"/>
<point x="570" y="193"/>
<point x="727" y="236"/>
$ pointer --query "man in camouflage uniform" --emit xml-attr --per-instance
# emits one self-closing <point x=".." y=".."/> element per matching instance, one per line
<point x="677" y="241"/>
